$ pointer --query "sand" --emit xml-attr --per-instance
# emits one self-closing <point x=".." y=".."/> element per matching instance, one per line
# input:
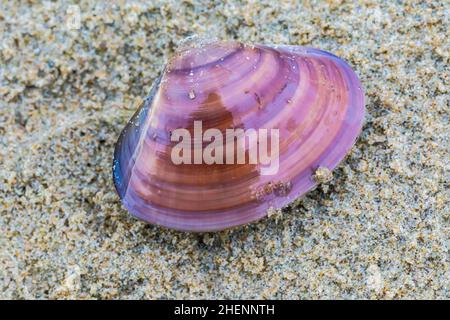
<point x="379" y="229"/>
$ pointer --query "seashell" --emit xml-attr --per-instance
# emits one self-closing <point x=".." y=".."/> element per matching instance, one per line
<point x="309" y="100"/>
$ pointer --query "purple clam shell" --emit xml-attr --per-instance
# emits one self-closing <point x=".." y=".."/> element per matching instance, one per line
<point x="311" y="97"/>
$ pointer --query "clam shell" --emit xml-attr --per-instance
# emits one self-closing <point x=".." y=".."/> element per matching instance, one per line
<point x="312" y="97"/>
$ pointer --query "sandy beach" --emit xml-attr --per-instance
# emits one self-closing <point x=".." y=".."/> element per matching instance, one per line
<point x="72" y="76"/>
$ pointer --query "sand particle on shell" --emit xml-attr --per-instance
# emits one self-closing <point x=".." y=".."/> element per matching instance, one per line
<point x="323" y="175"/>
<point x="69" y="83"/>
<point x="191" y="94"/>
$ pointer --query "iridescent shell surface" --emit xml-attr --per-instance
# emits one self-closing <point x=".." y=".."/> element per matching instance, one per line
<point x="312" y="97"/>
